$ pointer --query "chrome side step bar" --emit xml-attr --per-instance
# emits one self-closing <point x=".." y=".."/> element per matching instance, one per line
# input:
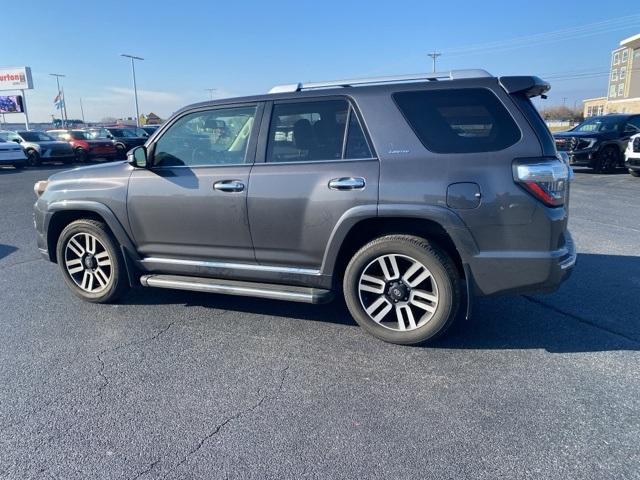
<point x="232" y="287"/>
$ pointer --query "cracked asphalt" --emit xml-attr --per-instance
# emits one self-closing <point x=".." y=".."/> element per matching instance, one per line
<point x="180" y="385"/>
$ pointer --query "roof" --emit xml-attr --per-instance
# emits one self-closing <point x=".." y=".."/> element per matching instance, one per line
<point x="631" y="39"/>
<point x="344" y="89"/>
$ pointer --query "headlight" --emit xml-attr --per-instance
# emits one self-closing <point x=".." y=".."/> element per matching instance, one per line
<point x="40" y="187"/>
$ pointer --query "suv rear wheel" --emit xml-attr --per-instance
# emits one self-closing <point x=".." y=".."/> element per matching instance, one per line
<point x="402" y="289"/>
<point x="91" y="261"/>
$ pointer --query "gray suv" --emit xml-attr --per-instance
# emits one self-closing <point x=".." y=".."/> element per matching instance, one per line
<point x="409" y="195"/>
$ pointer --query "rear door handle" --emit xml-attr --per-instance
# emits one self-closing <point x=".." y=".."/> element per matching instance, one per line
<point x="347" y="183"/>
<point x="229" y="186"/>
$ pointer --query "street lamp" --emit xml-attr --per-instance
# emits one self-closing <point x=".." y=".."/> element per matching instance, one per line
<point x="135" y="88"/>
<point x="210" y="90"/>
<point x="63" y="110"/>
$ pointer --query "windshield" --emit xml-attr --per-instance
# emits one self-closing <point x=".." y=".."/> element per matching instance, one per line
<point x="600" y="124"/>
<point x="77" y="135"/>
<point x="97" y="133"/>
<point x="123" y="133"/>
<point x="36" y="137"/>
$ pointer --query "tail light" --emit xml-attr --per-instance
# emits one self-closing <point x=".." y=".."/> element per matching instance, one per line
<point x="547" y="179"/>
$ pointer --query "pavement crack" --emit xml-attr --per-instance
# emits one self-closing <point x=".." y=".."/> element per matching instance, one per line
<point x="100" y="355"/>
<point x="212" y="433"/>
<point x="151" y="466"/>
<point x="582" y="320"/>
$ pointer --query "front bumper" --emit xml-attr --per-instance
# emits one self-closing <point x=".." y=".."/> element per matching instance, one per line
<point x="14" y="161"/>
<point x="582" y="157"/>
<point x="633" y="161"/>
<point x="517" y="272"/>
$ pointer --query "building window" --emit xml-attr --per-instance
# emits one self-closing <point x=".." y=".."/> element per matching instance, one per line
<point x="616" y="58"/>
<point x="621" y="90"/>
<point x="625" y="55"/>
<point x="623" y="72"/>
<point x="612" y="91"/>
<point x="589" y="111"/>
<point x="614" y="75"/>
<point x="600" y="109"/>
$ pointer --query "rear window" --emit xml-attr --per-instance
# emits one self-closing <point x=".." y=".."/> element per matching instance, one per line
<point x="458" y="120"/>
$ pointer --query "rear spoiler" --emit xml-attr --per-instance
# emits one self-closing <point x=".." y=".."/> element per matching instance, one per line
<point x="529" y="85"/>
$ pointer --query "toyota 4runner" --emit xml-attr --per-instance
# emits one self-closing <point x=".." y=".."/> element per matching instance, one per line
<point x="408" y="195"/>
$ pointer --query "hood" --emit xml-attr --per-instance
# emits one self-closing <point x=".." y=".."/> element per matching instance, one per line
<point x="100" y="171"/>
<point x="598" y="135"/>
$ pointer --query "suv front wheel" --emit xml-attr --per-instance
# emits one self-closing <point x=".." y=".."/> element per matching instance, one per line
<point x="402" y="289"/>
<point x="91" y="261"/>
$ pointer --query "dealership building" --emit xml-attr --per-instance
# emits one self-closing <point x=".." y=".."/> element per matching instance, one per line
<point x="624" y="82"/>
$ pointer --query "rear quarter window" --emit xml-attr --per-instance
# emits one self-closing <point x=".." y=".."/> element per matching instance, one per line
<point x="464" y="120"/>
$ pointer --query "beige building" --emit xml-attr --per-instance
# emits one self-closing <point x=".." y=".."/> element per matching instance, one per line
<point x="623" y="94"/>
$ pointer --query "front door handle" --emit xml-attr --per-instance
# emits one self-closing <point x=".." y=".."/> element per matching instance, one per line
<point x="229" y="186"/>
<point x="347" y="183"/>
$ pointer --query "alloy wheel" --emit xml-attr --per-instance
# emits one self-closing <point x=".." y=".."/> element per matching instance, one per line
<point x="88" y="262"/>
<point x="398" y="292"/>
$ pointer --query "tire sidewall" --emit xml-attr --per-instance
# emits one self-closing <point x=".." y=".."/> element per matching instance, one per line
<point x="608" y="168"/>
<point x="33" y="158"/>
<point x="117" y="276"/>
<point x="448" y="290"/>
<point x="81" y="155"/>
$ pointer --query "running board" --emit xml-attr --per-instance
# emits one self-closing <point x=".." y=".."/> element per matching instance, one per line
<point x="232" y="287"/>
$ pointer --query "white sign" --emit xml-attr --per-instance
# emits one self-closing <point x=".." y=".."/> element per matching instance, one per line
<point x="15" y="78"/>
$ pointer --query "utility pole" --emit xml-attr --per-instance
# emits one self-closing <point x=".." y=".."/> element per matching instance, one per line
<point x="210" y="90"/>
<point x="82" y="111"/>
<point x="433" y="56"/>
<point x="63" y="109"/>
<point x="135" y="88"/>
<point x="564" y="101"/>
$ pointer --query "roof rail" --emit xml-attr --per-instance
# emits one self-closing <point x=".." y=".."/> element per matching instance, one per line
<point x="429" y="77"/>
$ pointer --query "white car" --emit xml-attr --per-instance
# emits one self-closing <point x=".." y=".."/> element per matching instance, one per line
<point x="12" y="153"/>
<point x="632" y="155"/>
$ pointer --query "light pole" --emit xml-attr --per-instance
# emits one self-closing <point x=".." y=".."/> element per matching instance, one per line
<point x="63" y="110"/>
<point x="433" y="56"/>
<point x="135" y="88"/>
<point x="210" y="90"/>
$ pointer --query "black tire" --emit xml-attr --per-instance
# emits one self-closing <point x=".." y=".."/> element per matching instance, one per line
<point x="121" y="151"/>
<point x="18" y="166"/>
<point x="81" y="155"/>
<point x="608" y="160"/>
<point x="634" y="173"/>
<point x="33" y="158"/>
<point x="118" y="281"/>
<point x="439" y="264"/>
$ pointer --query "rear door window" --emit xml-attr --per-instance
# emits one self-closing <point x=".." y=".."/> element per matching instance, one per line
<point x="458" y="120"/>
<point x="315" y="131"/>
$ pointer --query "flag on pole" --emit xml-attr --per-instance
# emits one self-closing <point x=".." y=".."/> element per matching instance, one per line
<point x="59" y="101"/>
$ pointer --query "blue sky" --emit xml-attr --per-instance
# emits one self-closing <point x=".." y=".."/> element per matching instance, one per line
<point x="246" y="47"/>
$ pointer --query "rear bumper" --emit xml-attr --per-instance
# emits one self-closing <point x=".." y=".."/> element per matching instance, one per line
<point x="517" y="272"/>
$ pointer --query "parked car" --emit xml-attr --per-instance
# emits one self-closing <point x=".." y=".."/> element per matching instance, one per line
<point x="123" y="138"/>
<point x="39" y="147"/>
<point x="599" y="142"/>
<point x="150" y="129"/>
<point x="632" y="154"/>
<point x="407" y="195"/>
<point x="84" y="147"/>
<point x="12" y="154"/>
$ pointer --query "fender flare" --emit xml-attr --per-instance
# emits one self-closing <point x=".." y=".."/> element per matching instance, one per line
<point x="95" y="207"/>
<point x="446" y="218"/>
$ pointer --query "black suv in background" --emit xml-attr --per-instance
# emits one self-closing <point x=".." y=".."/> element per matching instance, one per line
<point x="599" y="142"/>
<point x="407" y="195"/>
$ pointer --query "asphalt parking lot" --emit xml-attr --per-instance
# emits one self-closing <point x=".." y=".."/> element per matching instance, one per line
<point x="185" y="385"/>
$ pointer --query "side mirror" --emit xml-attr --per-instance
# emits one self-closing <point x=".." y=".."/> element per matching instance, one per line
<point x="138" y="157"/>
<point x="17" y="140"/>
<point x="110" y="136"/>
